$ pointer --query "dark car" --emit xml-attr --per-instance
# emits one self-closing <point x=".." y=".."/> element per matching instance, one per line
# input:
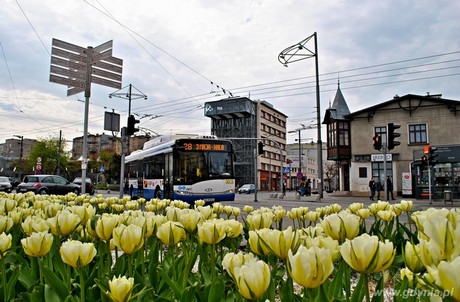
<point x="47" y="184"/>
<point x="14" y="182"/>
<point x="5" y="185"/>
<point x="247" y="189"/>
<point x="89" y="185"/>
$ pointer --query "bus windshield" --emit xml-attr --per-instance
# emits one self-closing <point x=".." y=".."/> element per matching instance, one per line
<point x="198" y="166"/>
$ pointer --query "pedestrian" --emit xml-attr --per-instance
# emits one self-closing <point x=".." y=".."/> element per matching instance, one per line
<point x="126" y="186"/>
<point x="301" y="189"/>
<point x="284" y="189"/>
<point x="390" y="188"/>
<point x="372" y="188"/>
<point x="308" y="187"/>
<point x="378" y="188"/>
<point x="131" y="189"/>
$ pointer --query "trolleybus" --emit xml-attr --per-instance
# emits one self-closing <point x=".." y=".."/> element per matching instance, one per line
<point x="183" y="167"/>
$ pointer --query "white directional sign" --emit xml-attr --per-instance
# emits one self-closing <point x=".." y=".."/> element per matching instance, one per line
<point x="70" y="65"/>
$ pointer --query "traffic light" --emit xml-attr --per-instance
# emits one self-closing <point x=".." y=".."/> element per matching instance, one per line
<point x="392" y="135"/>
<point x="377" y="142"/>
<point x="432" y="156"/>
<point x="260" y="148"/>
<point x="424" y="160"/>
<point x="131" y="123"/>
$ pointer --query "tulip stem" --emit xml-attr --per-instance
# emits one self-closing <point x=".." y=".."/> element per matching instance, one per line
<point x="82" y="285"/>
<point x="366" y="284"/>
<point x="2" y="259"/>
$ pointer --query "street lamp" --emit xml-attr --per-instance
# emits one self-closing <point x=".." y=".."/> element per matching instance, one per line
<point x="20" y="155"/>
<point x="298" y="52"/>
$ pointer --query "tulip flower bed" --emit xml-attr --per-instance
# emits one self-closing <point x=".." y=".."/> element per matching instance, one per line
<point x="82" y="248"/>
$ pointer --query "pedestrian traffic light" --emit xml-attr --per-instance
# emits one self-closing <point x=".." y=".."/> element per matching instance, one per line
<point x="432" y="156"/>
<point x="131" y="125"/>
<point x="260" y="148"/>
<point x="392" y="135"/>
<point x="377" y="142"/>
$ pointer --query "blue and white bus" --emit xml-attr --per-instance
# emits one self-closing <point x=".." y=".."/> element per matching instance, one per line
<point x="183" y="167"/>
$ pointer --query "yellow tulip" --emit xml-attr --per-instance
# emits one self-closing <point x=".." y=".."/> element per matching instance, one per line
<point x="152" y="222"/>
<point x="6" y="223"/>
<point x="218" y="208"/>
<point x="211" y="231"/>
<point x="190" y="219"/>
<point x="411" y="256"/>
<point x="260" y="220"/>
<point x="252" y="279"/>
<point x="102" y="226"/>
<point x="77" y="254"/>
<point x="171" y="232"/>
<point x="5" y="243"/>
<point x="233" y="228"/>
<point x="386" y="215"/>
<point x="199" y="203"/>
<point x="64" y="223"/>
<point x="448" y="277"/>
<point x="232" y="260"/>
<point x="129" y="238"/>
<point x="120" y="288"/>
<point x="206" y="212"/>
<point x="256" y="243"/>
<point x="354" y="207"/>
<point x="341" y="226"/>
<point x="34" y="224"/>
<point x="324" y="242"/>
<point x="363" y="213"/>
<point x="366" y="254"/>
<point x="37" y="244"/>
<point x="406" y="205"/>
<point x="278" y="242"/>
<point x="248" y="209"/>
<point x="310" y="267"/>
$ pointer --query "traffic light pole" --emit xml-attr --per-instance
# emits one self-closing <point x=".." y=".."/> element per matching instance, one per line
<point x="385" y="186"/>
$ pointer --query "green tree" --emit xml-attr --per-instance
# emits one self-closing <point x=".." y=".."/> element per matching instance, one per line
<point x="51" y="152"/>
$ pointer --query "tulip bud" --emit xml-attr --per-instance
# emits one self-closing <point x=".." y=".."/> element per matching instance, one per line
<point x="120" y="288"/>
<point x="129" y="238"/>
<point x="6" y="223"/>
<point x="171" y="232"/>
<point x="310" y="267"/>
<point x="211" y="231"/>
<point x="5" y="243"/>
<point x="77" y="254"/>
<point x="411" y="256"/>
<point x="366" y="254"/>
<point x="37" y="244"/>
<point x="252" y="279"/>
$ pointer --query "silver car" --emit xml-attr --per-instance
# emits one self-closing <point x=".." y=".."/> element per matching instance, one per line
<point x="5" y="184"/>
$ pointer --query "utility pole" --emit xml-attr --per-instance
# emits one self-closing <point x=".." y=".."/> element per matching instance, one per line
<point x="125" y="138"/>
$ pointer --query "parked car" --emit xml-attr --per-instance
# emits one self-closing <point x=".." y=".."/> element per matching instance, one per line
<point x="89" y="185"/>
<point x="47" y="184"/>
<point x="5" y="184"/>
<point x="247" y="188"/>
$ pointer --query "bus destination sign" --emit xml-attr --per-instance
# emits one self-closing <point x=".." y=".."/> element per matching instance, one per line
<point x="218" y="147"/>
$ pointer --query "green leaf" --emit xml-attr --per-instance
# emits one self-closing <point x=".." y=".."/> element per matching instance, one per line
<point x="360" y="290"/>
<point x="12" y="279"/>
<point x="379" y="291"/>
<point x="51" y="295"/>
<point x="55" y="283"/>
<point x="27" y="279"/>
<point x="217" y="290"/>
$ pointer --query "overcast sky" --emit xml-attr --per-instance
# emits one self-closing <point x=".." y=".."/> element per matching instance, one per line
<point x="174" y="50"/>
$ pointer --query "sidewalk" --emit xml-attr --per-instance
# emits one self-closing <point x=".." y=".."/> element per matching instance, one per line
<point x="344" y="200"/>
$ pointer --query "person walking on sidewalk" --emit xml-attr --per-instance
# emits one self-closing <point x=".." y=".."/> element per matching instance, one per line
<point x="390" y="188"/>
<point x="372" y="188"/>
<point x="378" y="188"/>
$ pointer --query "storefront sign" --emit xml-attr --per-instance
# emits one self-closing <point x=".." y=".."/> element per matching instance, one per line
<point x="379" y="157"/>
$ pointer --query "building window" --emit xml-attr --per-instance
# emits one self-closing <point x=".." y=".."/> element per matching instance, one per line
<point x="417" y="134"/>
<point x="362" y="172"/>
<point x="378" y="169"/>
<point x="343" y="133"/>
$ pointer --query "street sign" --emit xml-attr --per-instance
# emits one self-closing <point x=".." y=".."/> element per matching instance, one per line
<point x="106" y="74"/>
<point x="67" y="81"/>
<point x="69" y="66"/>
<point x="68" y="46"/>
<point x="69" y="73"/>
<point x="105" y="82"/>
